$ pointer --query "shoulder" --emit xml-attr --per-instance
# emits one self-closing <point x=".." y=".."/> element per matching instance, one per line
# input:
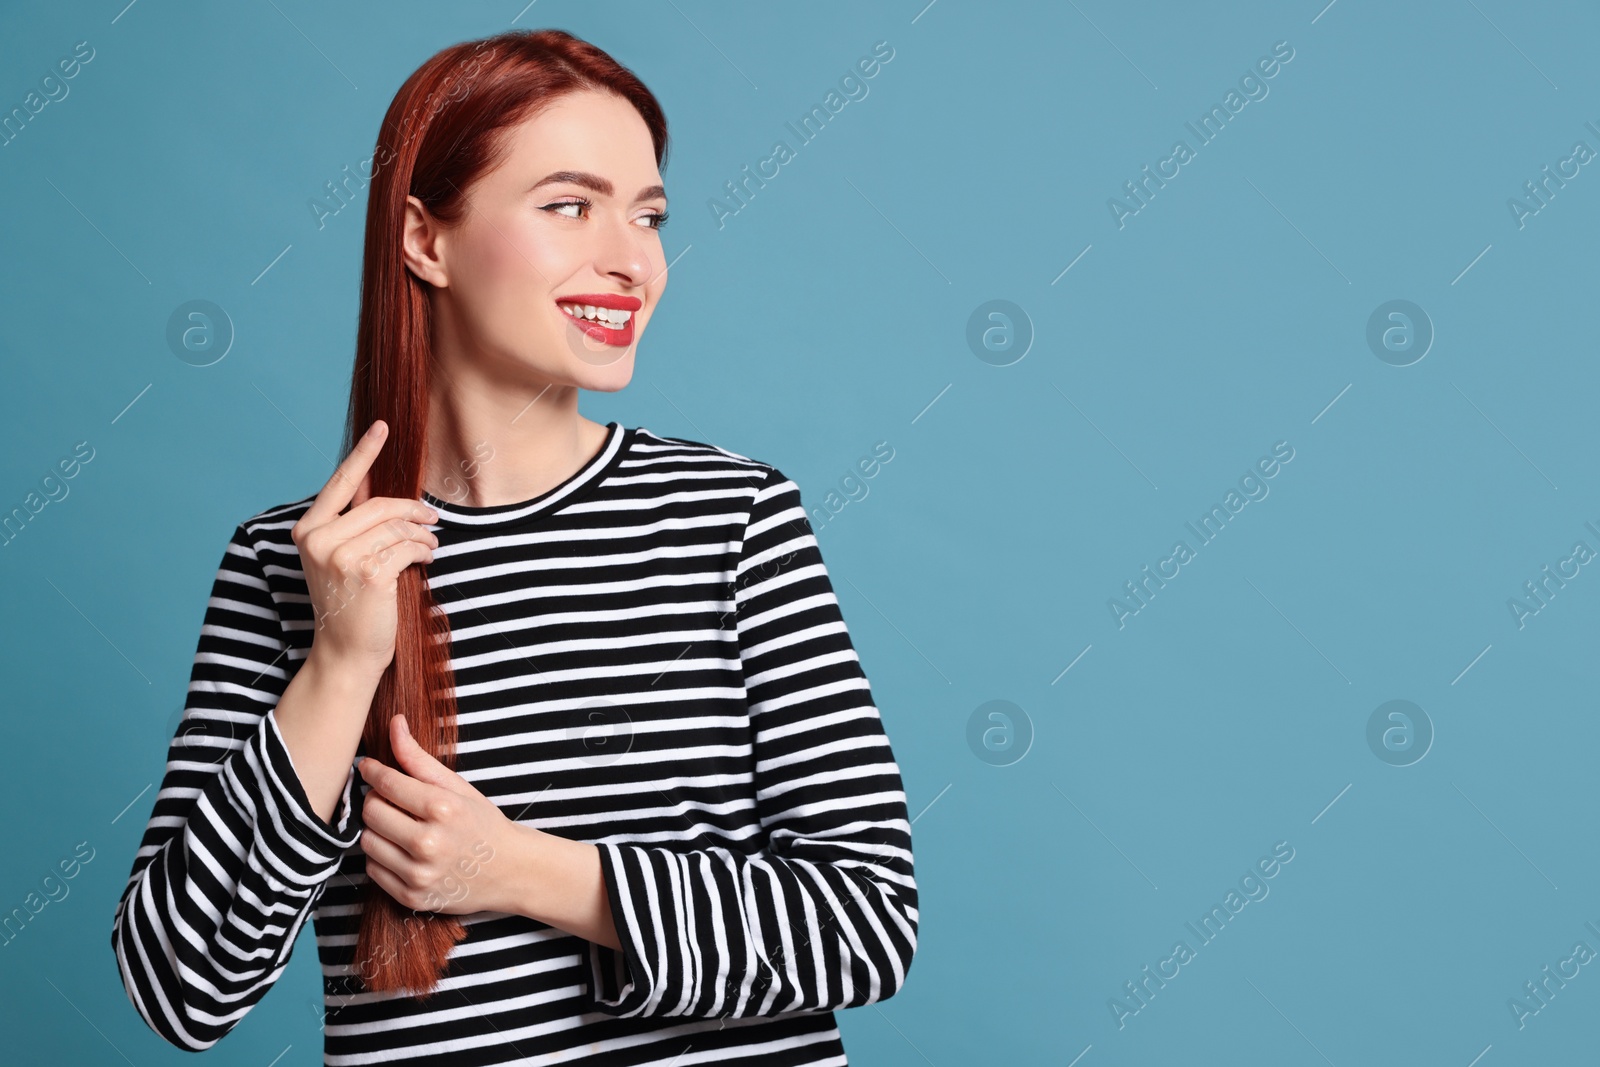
<point x="266" y="534"/>
<point x="764" y="494"/>
<point x="692" y="458"/>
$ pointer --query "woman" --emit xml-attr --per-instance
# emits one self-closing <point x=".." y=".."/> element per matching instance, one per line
<point x="625" y="794"/>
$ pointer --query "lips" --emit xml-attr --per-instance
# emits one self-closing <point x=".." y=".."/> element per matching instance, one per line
<point x="620" y="336"/>
<point x="603" y="300"/>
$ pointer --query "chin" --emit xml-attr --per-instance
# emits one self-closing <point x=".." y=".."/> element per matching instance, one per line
<point x="606" y="379"/>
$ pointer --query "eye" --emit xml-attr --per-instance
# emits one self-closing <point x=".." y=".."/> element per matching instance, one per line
<point x="579" y="202"/>
<point x="657" y="219"/>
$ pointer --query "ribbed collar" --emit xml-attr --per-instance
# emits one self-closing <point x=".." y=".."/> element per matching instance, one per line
<point x="616" y="443"/>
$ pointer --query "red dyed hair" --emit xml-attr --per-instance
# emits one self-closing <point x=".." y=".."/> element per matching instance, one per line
<point x="442" y="131"/>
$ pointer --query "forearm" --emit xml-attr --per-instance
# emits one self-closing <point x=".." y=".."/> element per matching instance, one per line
<point x="321" y="715"/>
<point x="559" y="882"/>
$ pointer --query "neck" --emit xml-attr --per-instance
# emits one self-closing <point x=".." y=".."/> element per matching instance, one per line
<point x="498" y="446"/>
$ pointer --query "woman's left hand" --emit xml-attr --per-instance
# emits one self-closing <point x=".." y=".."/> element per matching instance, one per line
<point x="431" y="839"/>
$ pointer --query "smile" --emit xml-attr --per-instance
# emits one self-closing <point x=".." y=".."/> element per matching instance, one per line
<point x="606" y="317"/>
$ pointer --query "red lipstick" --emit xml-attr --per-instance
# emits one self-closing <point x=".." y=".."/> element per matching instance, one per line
<point x="602" y="333"/>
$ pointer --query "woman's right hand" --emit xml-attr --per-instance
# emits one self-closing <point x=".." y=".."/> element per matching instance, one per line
<point x="353" y="559"/>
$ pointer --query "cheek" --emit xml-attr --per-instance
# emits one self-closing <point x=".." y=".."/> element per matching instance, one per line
<point x="508" y="271"/>
<point x="654" y="292"/>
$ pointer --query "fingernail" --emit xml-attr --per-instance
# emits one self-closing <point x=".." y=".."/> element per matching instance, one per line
<point x="405" y="727"/>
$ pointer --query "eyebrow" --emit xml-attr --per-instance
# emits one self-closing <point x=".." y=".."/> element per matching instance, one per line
<point x="600" y="185"/>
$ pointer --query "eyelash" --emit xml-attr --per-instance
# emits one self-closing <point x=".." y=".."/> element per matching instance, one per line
<point x="659" y="216"/>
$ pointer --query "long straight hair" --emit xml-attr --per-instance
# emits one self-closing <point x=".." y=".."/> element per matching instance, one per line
<point x="441" y="132"/>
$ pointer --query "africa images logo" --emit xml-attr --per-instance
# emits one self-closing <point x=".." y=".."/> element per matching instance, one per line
<point x="1253" y="888"/>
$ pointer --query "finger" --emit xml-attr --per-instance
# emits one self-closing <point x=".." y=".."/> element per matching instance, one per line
<point x="396" y="887"/>
<point x="401" y="789"/>
<point x="372" y="553"/>
<point x="347" y="477"/>
<point x="385" y="566"/>
<point x="390" y="823"/>
<point x="375" y="513"/>
<point x="386" y="852"/>
<point x="419" y="763"/>
<point x="388" y="880"/>
<point x="363" y="491"/>
<point x="354" y="573"/>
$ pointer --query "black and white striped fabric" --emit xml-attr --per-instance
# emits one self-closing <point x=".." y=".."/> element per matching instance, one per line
<point x="649" y="657"/>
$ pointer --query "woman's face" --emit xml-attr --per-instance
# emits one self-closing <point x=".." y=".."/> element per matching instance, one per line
<point x="570" y="216"/>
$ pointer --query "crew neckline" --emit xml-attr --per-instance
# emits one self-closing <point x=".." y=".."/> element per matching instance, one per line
<point x="496" y="515"/>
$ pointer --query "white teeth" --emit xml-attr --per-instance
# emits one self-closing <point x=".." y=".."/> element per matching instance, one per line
<point x="606" y="316"/>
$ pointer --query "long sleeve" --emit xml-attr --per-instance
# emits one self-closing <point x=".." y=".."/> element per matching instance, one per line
<point x="234" y="857"/>
<point x="823" y="915"/>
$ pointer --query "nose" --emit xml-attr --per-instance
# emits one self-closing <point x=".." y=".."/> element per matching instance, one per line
<point x="625" y="253"/>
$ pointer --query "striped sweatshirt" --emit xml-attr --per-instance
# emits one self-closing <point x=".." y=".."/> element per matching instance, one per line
<point x="648" y="657"/>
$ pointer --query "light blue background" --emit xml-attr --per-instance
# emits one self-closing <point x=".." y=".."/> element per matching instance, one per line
<point x="831" y="313"/>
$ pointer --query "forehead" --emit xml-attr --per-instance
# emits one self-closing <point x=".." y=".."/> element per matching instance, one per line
<point x="583" y="131"/>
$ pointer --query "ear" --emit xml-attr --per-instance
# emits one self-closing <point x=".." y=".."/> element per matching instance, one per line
<point x="419" y="764"/>
<point x="422" y="244"/>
